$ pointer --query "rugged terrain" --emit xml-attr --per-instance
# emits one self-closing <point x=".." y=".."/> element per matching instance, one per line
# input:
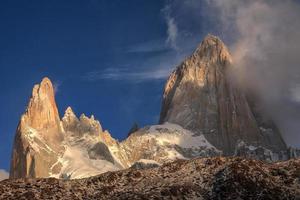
<point x="204" y="113"/>
<point x="71" y="147"/>
<point x="206" y="178"/>
<point x="202" y="96"/>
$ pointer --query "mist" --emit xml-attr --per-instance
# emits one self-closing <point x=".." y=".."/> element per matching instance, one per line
<point x="264" y="39"/>
<point x="266" y="52"/>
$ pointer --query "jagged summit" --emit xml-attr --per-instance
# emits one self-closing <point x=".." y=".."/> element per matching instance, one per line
<point x="86" y="149"/>
<point x="212" y="39"/>
<point x="69" y="111"/>
<point x="38" y="135"/>
<point x="69" y="114"/>
<point x="42" y="110"/>
<point x="203" y="114"/>
<point x="213" y="49"/>
<point x="201" y="97"/>
<point x="69" y="120"/>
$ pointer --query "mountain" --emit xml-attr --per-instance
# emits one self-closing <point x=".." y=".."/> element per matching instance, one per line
<point x="72" y="147"/>
<point x="47" y="146"/>
<point x="204" y="114"/>
<point x="202" y="96"/>
<point x="38" y="136"/>
<point x="206" y="178"/>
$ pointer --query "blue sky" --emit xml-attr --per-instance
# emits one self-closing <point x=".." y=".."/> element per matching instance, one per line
<point x="111" y="58"/>
<point x="107" y="58"/>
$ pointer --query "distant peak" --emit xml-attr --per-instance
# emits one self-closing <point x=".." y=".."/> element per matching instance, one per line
<point x="83" y="116"/>
<point x="69" y="119"/>
<point x="209" y="37"/>
<point x="46" y="80"/>
<point x="69" y="112"/>
<point x="212" y="48"/>
<point x="44" y="88"/>
<point x="211" y="40"/>
<point x="42" y="110"/>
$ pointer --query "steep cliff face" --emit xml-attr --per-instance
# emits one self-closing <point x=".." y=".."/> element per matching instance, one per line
<point x="204" y="113"/>
<point x="202" y="97"/>
<point x="38" y="137"/>
<point x="72" y="147"/>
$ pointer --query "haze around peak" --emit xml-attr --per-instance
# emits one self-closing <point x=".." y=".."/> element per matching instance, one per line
<point x="264" y="40"/>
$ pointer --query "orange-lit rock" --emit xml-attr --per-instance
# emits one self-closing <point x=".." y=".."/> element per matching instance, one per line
<point x="38" y="136"/>
<point x="202" y="97"/>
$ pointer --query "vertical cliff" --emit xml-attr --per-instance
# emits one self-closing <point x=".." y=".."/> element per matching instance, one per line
<point x="38" y="136"/>
<point x="201" y="96"/>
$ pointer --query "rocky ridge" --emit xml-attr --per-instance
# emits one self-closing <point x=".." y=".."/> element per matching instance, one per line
<point x="202" y="96"/>
<point x="204" y="114"/>
<point x="206" y="178"/>
<point x="81" y="148"/>
<point x="38" y="136"/>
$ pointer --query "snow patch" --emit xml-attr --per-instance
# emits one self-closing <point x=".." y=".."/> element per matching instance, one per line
<point x="76" y="162"/>
<point x="174" y="134"/>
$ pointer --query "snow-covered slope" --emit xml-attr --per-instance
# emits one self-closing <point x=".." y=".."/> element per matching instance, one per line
<point x="87" y="154"/>
<point x="212" y="113"/>
<point x="79" y="147"/>
<point x="89" y="150"/>
<point x="167" y="142"/>
<point x="81" y="160"/>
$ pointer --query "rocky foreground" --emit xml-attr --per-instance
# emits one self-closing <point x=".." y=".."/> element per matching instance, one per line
<point x="206" y="178"/>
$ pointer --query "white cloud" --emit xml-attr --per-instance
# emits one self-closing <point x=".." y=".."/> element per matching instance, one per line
<point x="266" y="50"/>
<point x="3" y="174"/>
<point x="172" y="32"/>
<point x="264" y="39"/>
<point x="117" y="74"/>
<point x="172" y="29"/>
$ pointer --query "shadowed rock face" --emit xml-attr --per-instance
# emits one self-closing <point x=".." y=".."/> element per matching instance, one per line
<point x="38" y="135"/>
<point x="201" y="96"/>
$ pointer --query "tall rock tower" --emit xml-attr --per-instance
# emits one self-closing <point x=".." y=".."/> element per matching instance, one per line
<point x="201" y="96"/>
<point x="38" y="137"/>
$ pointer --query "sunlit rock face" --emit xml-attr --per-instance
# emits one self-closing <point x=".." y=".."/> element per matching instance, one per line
<point x="38" y="136"/>
<point x="73" y="147"/>
<point x="204" y="114"/>
<point x="201" y="96"/>
<point x="77" y="147"/>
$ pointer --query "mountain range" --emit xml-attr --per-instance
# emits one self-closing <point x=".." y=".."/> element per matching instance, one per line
<point x="205" y="113"/>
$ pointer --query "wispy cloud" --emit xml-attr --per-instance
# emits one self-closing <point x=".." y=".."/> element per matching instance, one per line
<point x="3" y="174"/>
<point x="265" y="50"/>
<point x="160" y="56"/>
<point x="117" y="74"/>
<point x="172" y="29"/>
